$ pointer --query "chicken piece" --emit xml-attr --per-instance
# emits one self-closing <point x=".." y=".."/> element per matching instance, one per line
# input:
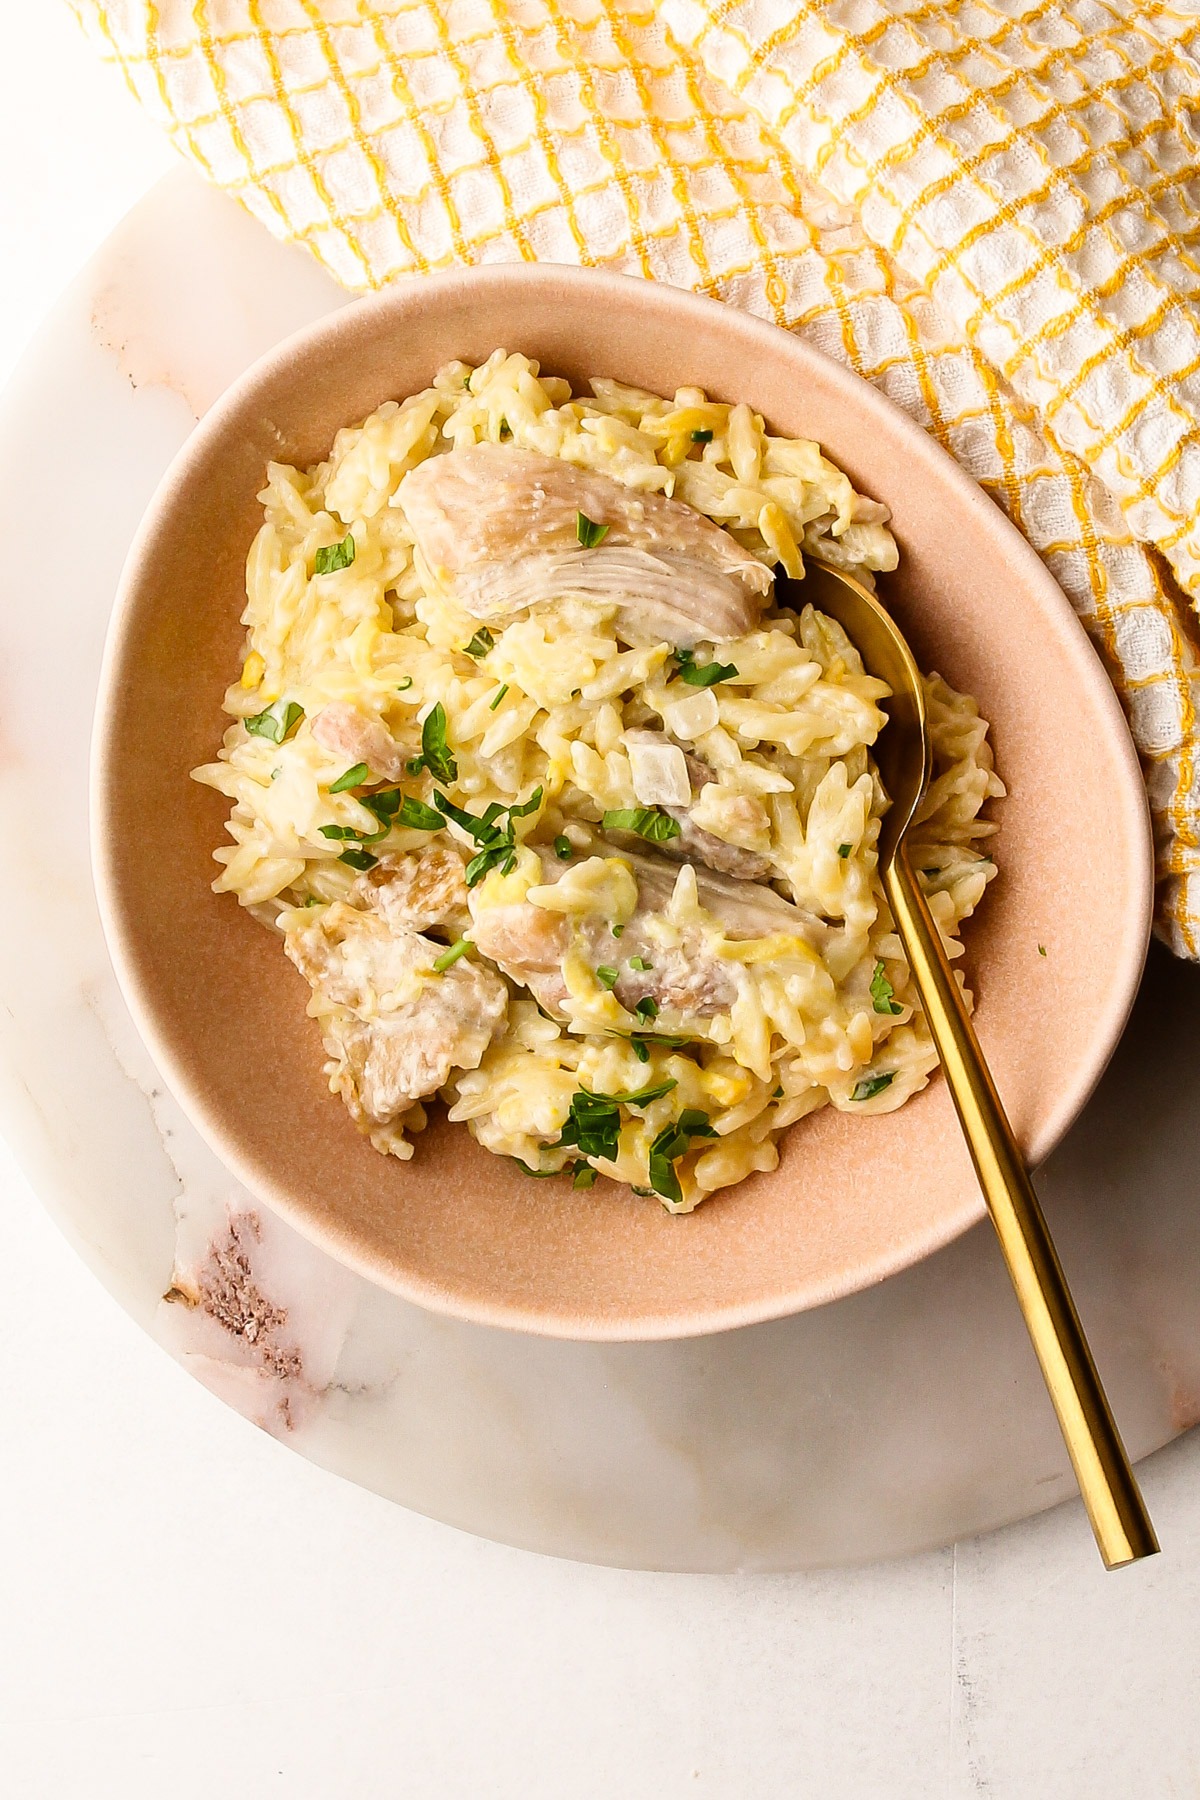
<point x="347" y="732"/>
<point x="744" y="909"/>
<point x="498" y="527"/>
<point x="694" y="841"/>
<point x="686" y="980"/>
<point x="528" y="943"/>
<point x="395" y="1027"/>
<point x="421" y="888"/>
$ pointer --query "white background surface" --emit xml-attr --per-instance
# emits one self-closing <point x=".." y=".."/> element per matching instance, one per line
<point x="190" y="1610"/>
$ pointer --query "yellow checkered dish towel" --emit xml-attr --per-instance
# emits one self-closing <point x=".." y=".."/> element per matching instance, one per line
<point x="989" y="208"/>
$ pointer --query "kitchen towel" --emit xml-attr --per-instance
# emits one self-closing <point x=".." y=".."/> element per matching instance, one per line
<point x="988" y="208"/>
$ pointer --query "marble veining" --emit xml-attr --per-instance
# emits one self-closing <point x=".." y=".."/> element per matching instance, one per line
<point x="906" y="1416"/>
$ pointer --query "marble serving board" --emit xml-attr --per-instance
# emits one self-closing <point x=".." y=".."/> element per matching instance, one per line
<point x="904" y="1417"/>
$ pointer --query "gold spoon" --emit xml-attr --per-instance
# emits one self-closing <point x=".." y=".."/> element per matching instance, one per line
<point x="903" y="756"/>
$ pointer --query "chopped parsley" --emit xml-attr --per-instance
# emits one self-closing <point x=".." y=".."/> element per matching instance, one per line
<point x="606" y="977"/>
<point x="480" y="644"/>
<point x="593" y="1123"/>
<point x="870" y="1085"/>
<point x="350" y="834"/>
<point x="500" y="693"/>
<point x="640" y="964"/>
<point x="883" y="994"/>
<point x="274" y="725"/>
<point x="778" y="1094"/>
<point x="584" y="1176"/>
<point x="702" y="437"/>
<point x="435" y="753"/>
<point x="844" y="850"/>
<point x="588" y="532"/>
<point x="333" y="557"/>
<point x="497" y="842"/>
<point x="673" y="1141"/>
<point x="358" y="859"/>
<point x="402" y="687"/>
<point x="385" y="803"/>
<point x="647" y="1010"/>
<point x="702" y="675"/>
<point x="1041" y="949"/>
<point x="505" y="430"/>
<point x="449" y="957"/>
<point x="352" y="778"/>
<point x="417" y="816"/>
<point x="646" y="821"/>
<point x="563" y="849"/>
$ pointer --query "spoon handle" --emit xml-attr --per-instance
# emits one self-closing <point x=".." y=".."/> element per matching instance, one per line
<point x="1106" y="1480"/>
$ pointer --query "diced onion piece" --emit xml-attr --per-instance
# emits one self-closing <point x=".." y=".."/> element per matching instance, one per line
<point x="660" y="776"/>
<point x="692" y="717"/>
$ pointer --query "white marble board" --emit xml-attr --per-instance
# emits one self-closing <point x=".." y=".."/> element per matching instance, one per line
<point x="907" y="1416"/>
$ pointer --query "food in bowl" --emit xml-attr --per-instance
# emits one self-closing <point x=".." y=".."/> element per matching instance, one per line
<point x="564" y="820"/>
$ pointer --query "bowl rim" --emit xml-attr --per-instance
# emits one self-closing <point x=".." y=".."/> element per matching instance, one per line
<point x="855" y="392"/>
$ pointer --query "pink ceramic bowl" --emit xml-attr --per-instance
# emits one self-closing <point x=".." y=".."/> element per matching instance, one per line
<point x="458" y="1229"/>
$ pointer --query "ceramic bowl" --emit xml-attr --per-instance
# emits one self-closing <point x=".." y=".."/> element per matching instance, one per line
<point x="458" y="1229"/>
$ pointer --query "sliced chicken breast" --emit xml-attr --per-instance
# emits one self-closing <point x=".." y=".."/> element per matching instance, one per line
<point x="358" y="737"/>
<point x="498" y="527"/>
<point x="686" y="979"/>
<point x="396" y="1027"/>
<point x="422" y="888"/>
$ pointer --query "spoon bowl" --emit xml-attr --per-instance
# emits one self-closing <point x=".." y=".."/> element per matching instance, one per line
<point x="903" y="757"/>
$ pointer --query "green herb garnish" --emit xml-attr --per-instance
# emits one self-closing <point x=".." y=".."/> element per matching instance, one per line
<point x="606" y="977"/>
<point x="402" y="687"/>
<point x="500" y="693"/>
<point x="673" y="1141"/>
<point x="449" y="957"/>
<point x="505" y="430"/>
<point x="1041" y="949"/>
<point x="639" y="1050"/>
<point x="702" y="675"/>
<point x="647" y="1010"/>
<point x="870" y="1085"/>
<point x="702" y="437"/>
<point x="273" y="725"/>
<point x="563" y="849"/>
<point x="333" y="557"/>
<point x="497" y="843"/>
<point x="588" y="532"/>
<point x="593" y="1123"/>
<point x="358" y="859"/>
<point x="844" y="850"/>
<point x="646" y="821"/>
<point x="778" y="1094"/>
<point x="352" y="778"/>
<point x="385" y="803"/>
<point x="417" y="816"/>
<point x="584" y="1176"/>
<point x="480" y="644"/>
<point x="883" y="994"/>
<point x="640" y="963"/>
<point x="435" y="753"/>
